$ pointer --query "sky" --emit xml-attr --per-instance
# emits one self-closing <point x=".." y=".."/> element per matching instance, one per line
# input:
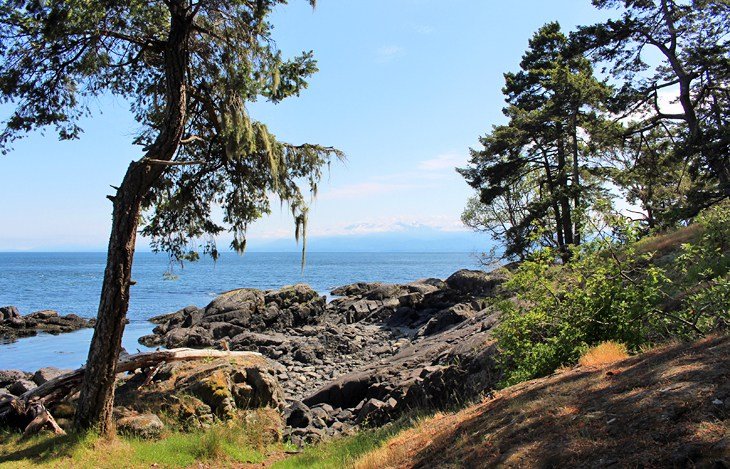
<point x="405" y="88"/>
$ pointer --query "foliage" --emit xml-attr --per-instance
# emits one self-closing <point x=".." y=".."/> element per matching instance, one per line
<point x="501" y="217"/>
<point x="660" y="48"/>
<point x="614" y="291"/>
<point x="535" y="174"/>
<point x="646" y="170"/>
<point x="57" y="56"/>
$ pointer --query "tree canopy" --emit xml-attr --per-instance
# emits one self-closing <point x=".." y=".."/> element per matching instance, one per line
<point x="553" y="107"/>
<point x="188" y="68"/>
<point x="654" y="129"/>
<point x="56" y="56"/>
<point x="659" y="48"/>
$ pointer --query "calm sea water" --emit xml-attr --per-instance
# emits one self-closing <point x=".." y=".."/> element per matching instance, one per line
<point x="71" y="283"/>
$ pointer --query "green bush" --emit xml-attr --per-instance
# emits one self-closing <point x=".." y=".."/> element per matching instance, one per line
<point x="613" y="291"/>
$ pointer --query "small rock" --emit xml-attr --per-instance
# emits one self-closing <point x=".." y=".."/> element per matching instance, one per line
<point x="21" y="386"/>
<point x="46" y="374"/>
<point x="300" y="416"/>
<point x="8" y="377"/>
<point x="142" y="425"/>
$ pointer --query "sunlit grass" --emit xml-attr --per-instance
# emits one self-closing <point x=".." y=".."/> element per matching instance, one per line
<point x="346" y="451"/>
<point x="604" y="354"/>
<point x="245" y="441"/>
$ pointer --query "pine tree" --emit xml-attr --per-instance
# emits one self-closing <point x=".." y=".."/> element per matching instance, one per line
<point x="690" y="38"/>
<point x="553" y="104"/>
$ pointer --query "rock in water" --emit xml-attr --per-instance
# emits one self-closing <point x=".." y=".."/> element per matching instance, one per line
<point x="13" y="325"/>
<point x="8" y="312"/>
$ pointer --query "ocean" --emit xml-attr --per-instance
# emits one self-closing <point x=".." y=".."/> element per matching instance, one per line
<point x="71" y="283"/>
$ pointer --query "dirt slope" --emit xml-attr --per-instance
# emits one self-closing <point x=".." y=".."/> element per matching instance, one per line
<point x="665" y="408"/>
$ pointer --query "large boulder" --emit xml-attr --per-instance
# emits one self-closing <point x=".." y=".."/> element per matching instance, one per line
<point x="196" y="336"/>
<point x="237" y="312"/>
<point x="449" y="317"/>
<point x="197" y="392"/>
<point x="236" y="307"/>
<point x="475" y="282"/>
<point x="145" y="426"/>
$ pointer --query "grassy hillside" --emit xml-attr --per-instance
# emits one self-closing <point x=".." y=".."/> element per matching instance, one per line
<point x="668" y="407"/>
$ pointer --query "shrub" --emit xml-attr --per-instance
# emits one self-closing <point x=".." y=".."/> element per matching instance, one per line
<point x="614" y="289"/>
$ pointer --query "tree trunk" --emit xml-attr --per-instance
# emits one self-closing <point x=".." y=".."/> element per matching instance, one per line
<point x="554" y="203"/>
<point x="97" y="390"/>
<point x="575" y="186"/>
<point x="563" y="189"/>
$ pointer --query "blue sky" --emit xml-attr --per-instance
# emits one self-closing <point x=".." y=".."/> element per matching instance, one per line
<point x="405" y="88"/>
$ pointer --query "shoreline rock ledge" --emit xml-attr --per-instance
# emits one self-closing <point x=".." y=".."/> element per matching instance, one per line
<point x="14" y="326"/>
<point x="377" y="350"/>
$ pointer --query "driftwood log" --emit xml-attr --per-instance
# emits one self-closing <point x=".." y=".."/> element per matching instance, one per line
<point x="28" y="412"/>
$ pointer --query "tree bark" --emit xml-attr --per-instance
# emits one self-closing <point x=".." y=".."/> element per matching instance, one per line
<point x="554" y="203"/>
<point x="563" y="189"/>
<point x="97" y="390"/>
<point x="575" y="186"/>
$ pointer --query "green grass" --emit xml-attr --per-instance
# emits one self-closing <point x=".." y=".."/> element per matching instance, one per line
<point x="247" y="441"/>
<point x="343" y="452"/>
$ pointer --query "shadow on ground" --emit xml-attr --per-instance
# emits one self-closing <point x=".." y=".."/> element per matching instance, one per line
<point x="665" y="408"/>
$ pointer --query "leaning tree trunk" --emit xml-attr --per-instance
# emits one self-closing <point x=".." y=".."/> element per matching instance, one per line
<point x="97" y="390"/>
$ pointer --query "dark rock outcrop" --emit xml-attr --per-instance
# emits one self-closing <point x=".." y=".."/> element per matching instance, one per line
<point x="374" y="352"/>
<point x="14" y="326"/>
<point x="196" y="393"/>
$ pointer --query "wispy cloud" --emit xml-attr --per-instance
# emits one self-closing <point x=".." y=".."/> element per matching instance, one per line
<point x="442" y="162"/>
<point x="364" y="189"/>
<point x="422" y="29"/>
<point x="389" y="53"/>
<point x="400" y="224"/>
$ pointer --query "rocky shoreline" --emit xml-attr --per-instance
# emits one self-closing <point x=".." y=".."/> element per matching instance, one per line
<point x="14" y="326"/>
<point x="374" y="352"/>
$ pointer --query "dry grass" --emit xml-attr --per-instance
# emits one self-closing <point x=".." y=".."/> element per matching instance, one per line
<point x="604" y="354"/>
<point x="395" y="449"/>
<point x="669" y="241"/>
<point x="658" y="409"/>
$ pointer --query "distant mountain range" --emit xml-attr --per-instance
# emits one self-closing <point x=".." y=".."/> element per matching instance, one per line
<point x="364" y="237"/>
<point x="409" y="239"/>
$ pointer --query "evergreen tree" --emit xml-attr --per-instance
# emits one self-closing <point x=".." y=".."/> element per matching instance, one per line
<point x="692" y="43"/>
<point x="554" y="105"/>
<point x="188" y="68"/>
